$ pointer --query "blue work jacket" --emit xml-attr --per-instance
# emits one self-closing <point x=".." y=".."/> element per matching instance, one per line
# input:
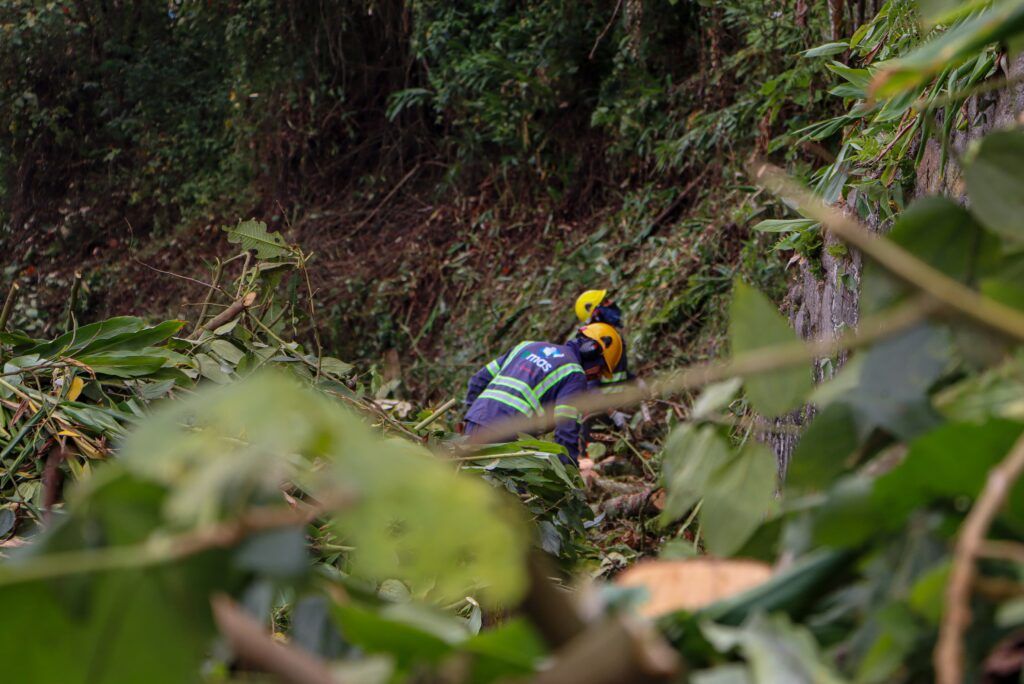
<point x="530" y="379"/>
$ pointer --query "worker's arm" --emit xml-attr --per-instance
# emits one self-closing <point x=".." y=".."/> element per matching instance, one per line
<point x="478" y="383"/>
<point x="567" y="416"/>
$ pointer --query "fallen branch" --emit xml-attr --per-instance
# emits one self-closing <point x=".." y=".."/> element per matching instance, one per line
<point x="645" y="502"/>
<point x="948" y="658"/>
<point x="254" y="646"/>
<point x="227" y="315"/>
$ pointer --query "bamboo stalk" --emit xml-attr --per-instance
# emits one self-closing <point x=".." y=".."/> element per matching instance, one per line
<point x="435" y="415"/>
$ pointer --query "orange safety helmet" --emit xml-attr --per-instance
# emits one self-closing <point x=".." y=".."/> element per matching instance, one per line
<point x="610" y="342"/>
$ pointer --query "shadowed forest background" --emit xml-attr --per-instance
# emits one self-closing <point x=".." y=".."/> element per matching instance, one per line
<point x="254" y="249"/>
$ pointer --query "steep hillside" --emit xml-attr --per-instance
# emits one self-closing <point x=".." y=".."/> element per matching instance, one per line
<point x="432" y="157"/>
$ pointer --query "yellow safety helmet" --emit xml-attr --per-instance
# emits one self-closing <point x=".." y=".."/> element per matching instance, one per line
<point x="609" y="340"/>
<point x="587" y="302"/>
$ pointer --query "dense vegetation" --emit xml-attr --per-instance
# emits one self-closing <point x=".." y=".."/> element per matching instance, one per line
<point x="439" y="179"/>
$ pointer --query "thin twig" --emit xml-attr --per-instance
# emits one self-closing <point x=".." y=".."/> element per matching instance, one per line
<point x="605" y="30"/>
<point x="241" y="278"/>
<point x="312" y="315"/>
<point x="12" y="295"/>
<point x="69" y="321"/>
<point x="209" y="293"/>
<point x="1002" y="550"/>
<point x="948" y="657"/>
<point x="179" y="276"/>
<point x="384" y="201"/>
<point x="161" y="548"/>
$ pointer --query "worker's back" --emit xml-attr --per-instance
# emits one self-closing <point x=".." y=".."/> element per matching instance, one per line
<point x="526" y="379"/>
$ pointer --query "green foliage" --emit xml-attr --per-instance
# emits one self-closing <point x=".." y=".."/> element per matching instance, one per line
<point x="754" y="323"/>
<point x="993" y="177"/>
<point x="904" y="440"/>
<point x="964" y="41"/>
<point x="214" y="459"/>
<point x="553" y="492"/>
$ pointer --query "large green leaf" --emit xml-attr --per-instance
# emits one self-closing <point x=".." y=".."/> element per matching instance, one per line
<point x="410" y="633"/>
<point x="738" y="489"/>
<point x="253" y="235"/>
<point x="995" y="183"/>
<point x="996" y="393"/>
<point x="135" y="340"/>
<point x="949" y="462"/>
<point x="87" y="335"/>
<point x="414" y="635"/>
<point x="824" y="449"/>
<point x="788" y="590"/>
<point x="740" y="494"/>
<point x="151" y="625"/>
<point x="122" y="364"/>
<point x="691" y="454"/>
<point x="755" y="323"/>
<point x="894" y="378"/>
<point x="942" y="234"/>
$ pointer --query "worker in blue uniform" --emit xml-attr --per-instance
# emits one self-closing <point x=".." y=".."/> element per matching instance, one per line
<point x="534" y="378"/>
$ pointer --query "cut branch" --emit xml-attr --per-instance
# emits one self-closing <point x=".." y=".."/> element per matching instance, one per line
<point x="229" y="314"/>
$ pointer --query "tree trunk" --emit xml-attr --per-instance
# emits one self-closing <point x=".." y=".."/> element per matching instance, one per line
<point x="821" y="306"/>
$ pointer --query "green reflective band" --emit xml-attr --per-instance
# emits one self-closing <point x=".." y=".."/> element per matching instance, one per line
<point x="567" y="411"/>
<point x="520" y="387"/>
<point x="493" y="367"/>
<point x="621" y="376"/>
<point x="512" y="354"/>
<point x="555" y="376"/>
<point x="612" y="389"/>
<point x="507" y="399"/>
